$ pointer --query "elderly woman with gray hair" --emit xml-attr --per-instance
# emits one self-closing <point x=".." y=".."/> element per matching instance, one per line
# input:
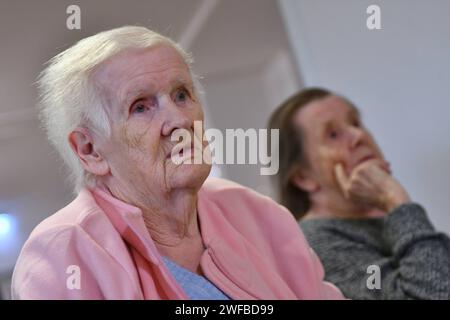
<point x="143" y="226"/>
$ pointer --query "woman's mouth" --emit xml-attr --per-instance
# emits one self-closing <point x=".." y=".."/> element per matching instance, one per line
<point x="364" y="159"/>
<point x="183" y="154"/>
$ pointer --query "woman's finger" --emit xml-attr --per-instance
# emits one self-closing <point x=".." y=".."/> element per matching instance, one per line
<point x="341" y="178"/>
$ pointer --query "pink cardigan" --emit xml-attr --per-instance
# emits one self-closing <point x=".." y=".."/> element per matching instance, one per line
<point x="255" y="250"/>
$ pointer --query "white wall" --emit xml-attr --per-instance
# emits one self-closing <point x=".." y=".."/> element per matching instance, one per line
<point x="398" y="76"/>
<point x="245" y="99"/>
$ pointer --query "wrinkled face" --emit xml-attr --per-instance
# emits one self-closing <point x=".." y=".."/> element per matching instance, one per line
<point x="150" y="94"/>
<point x="333" y="133"/>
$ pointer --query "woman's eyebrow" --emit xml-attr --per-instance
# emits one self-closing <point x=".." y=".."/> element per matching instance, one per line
<point x="354" y="114"/>
<point x="181" y="81"/>
<point x="133" y="94"/>
<point x="146" y="89"/>
<point x="354" y="110"/>
<point x="328" y="125"/>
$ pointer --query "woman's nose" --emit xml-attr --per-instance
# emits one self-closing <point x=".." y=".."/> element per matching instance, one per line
<point x="357" y="136"/>
<point x="175" y="117"/>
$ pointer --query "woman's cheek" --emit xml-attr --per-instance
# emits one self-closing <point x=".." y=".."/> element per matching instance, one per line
<point x="341" y="157"/>
<point x="334" y="157"/>
<point x="324" y="163"/>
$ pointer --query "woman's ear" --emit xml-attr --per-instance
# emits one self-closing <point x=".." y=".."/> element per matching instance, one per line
<point x="82" y="143"/>
<point x="304" y="181"/>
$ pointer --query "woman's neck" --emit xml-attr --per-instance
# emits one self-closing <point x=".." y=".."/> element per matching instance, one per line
<point x="342" y="211"/>
<point x="174" y="227"/>
<point x="171" y="220"/>
<point x="336" y="206"/>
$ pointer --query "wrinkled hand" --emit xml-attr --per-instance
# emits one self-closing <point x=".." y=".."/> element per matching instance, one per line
<point x="371" y="184"/>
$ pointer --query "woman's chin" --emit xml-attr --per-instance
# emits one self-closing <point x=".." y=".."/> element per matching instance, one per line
<point x="190" y="175"/>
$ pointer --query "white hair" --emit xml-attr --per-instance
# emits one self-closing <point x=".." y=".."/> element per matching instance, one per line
<point x="68" y="97"/>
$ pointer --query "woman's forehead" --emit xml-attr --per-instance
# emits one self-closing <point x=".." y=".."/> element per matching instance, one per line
<point x="325" y="110"/>
<point x="134" y="72"/>
<point x="159" y="62"/>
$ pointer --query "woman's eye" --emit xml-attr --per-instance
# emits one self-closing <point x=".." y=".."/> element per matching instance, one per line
<point x="182" y="95"/>
<point x="333" y="134"/>
<point x="139" y="108"/>
<point x="144" y="105"/>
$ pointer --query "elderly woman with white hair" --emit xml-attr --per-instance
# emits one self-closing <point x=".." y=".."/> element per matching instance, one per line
<point x="141" y="225"/>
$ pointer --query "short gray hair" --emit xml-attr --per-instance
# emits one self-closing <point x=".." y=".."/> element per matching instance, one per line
<point x="67" y="94"/>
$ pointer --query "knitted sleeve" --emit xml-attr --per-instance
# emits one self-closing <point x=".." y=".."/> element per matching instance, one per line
<point x="414" y="262"/>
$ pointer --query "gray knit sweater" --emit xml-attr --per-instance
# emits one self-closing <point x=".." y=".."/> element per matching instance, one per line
<point x="414" y="259"/>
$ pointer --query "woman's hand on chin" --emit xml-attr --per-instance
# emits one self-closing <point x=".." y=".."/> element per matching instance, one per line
<point x="370" y="184"/>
